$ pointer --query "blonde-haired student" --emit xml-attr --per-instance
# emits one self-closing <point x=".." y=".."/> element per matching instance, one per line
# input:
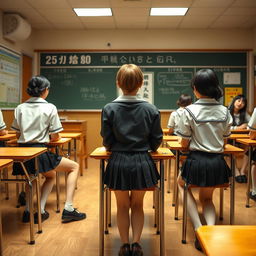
<point x="183" y="101"/>
<point x="37" y="122"/>
<point x="130" y="129"/>
<point x="204" y="127"/>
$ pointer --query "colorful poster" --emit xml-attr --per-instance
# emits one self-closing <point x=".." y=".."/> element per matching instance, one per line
<point x="230" y="93"/>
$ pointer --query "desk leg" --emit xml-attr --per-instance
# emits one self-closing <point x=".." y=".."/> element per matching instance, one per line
<point x="38" y="197"/>
<point x="232" y="192"/>
<point x="169" y="175"/>
<point x="176" y="172"/>
<point x="101" y="209"/>
<point x="162" y="228"/>
<point x="1" y="234"/>
<point x="75" y="152"/>
<point x="176" y="192"/>
<point x="249" y="178"/>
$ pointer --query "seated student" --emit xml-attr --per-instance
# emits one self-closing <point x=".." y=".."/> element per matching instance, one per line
<point x="204" y="127"/>
<point x="241" y="118"/>
<point x="37" y="122"/>
<point x="174" y="118"/>
<point x="252" y="127"/>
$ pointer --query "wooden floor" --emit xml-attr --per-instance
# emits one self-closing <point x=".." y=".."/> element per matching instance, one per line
<point x="81" y="238"/>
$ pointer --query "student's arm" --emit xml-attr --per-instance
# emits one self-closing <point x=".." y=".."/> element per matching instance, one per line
<point x="171" y="123"/>
<point x="252" y="125"/>
<point x="184" y="130"/>
<point x="55" y="137"/>
<point x="184" y="143"/>
<point x="3" y="131"/>
<point x="106" y="130"/>
<point x="156" y="135"/>
<point x="171" y="130"/>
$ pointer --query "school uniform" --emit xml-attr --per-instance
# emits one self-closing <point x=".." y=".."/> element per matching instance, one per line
<point x="174" y="119"/>
<point x="130" y="128"/>
<point x="252" y="126"/>
<point x="206" y="123"/>
<point x="2" y="127"/>
<point x="237" y="120"/>
<point x="34" y="120"/>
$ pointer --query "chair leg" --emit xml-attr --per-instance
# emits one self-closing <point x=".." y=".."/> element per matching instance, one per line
<point x="6" y="184"/>
<point x="184" y="217"/>
<point x="38" y="198"/>
<point x="31" y="211"/>
<point x="157" y="211"/>
<point x="57" y="192"/>
<point x="169" y="176"/>
<point x="109" y="208"/>
<point x="106" y="211"/>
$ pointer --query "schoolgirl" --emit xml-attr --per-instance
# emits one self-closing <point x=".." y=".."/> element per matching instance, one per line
<point x="130" y="128"/>
<point x="183" y="101"/>
<point x="241" y="118"/>
<point x="36" y="123"/>
<point x="204" y="127"/>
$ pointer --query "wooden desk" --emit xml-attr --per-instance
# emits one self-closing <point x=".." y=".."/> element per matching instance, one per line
<point x="79" y="126"/>
<point x="250" y="143"/>
<point x="235" y="136"/>
<point x="75" y="136"/>
<point x="161" y="155"/>
<point x="7" y="137"/>
<point x="240" y="131"/>
<point x="18" y="154"/>
<point x="170" y="138"/>
<point x="165" y="131"/>
<point x="4" y="163"/>
<point x="227" y="240"/>
<point x="57" y="145"/>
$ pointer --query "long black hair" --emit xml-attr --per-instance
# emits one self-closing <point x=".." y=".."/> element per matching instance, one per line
<point x="242" y="111"/>
<point x="206" y="83"/>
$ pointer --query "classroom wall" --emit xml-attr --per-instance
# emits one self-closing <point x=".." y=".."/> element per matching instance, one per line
<point x="140" y="39"/>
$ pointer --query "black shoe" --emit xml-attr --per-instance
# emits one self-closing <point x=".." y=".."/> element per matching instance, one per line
<point x="124" y="250"/>
<point x="244" y="178"/>
<point x="198" y="245"/>
<point x="68" y="216"/>
<point x="239" y="179"/>
<point x="26" y="217"/>
<point x="44" y="216"/>
<point x="22" y="198"/>
<point x="253" y="197"/>
<point x="136" y="250"/>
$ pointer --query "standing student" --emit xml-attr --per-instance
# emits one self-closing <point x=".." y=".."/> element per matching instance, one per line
<point x="37" y="122"/>
<point x="183" y="101"/>
<point x="130" y="128"/>
<point x="252" y="127"/>
<point x="204" y="127"/>
<point x="241" y="118"/>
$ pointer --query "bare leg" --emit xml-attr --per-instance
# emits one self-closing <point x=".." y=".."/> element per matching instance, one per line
<point x="67" y="165"/>
<point x="254" y="179"/>
<point x="123" y="218"/>
<point x="244" y="164"/>
<point x="205" y="197"/>
<point x="137" y="214"/>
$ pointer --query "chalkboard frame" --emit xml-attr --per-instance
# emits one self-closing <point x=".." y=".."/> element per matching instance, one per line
<point x="226" y="67"/>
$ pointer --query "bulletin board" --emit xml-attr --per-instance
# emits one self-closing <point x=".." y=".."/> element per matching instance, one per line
<point x="10" y="82"/>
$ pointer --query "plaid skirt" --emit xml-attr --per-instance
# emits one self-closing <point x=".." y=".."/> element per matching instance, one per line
<point x="131" y="171"/>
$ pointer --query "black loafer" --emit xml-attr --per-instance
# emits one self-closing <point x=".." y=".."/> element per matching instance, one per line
<point x="68" y="216"/>
<point x="239" y="179"/>
<point x="26" y="217"/>
<point x="124" y="250"/>
<point x="198" y="245"/>
<point x="244" y="178"/>
<point x="44" y="216"/>
<point x="253" y="197"/>
<point x="136" y="250"/>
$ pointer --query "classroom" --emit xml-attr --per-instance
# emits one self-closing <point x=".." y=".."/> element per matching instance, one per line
<point x="81" y="56"/>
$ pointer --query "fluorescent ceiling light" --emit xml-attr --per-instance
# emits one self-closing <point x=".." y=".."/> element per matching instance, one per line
<point x="168" y="11"/>
<point x="93" y="11"/>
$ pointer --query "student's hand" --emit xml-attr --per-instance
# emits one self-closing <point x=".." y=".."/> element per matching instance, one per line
<point x="55" y="137"/>
<point x="3" y="132"/>
<point x="242" y="126"/>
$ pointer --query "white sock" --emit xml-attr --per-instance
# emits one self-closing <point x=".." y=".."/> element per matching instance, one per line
<point x="209" y="212"/>
<point x="69" y="206"/>
<point x="45" y="191"/>
<point x="192" y="209"/>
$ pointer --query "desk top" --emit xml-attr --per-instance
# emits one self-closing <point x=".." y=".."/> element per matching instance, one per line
<point x="228" y="240"/>
<point x="229" y="149"/>
<point x="18" y="153"/>
<point x="72" y="135"/>
<point x="59" y="142"/>
<point x="240" y="131"/>
<point x="8" y="137"/>
<point x="5" y="162"/>
<point x="161" y="153"/>
<point x="248" y="142"/>
<point x="165" y="130"/>
<point x="170" y="138"/>
<point x="234" y="136"/>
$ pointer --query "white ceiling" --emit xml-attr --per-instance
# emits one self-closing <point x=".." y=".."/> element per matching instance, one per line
<point x="210" y="14"/>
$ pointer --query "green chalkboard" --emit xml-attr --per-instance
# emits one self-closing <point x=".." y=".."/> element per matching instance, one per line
<point x="86" y="80"/>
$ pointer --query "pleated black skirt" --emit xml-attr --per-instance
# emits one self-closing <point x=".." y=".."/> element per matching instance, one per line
<point x="131" y="171"/>
<point x="46" y="161"/>
<point x="205" y="169"/>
